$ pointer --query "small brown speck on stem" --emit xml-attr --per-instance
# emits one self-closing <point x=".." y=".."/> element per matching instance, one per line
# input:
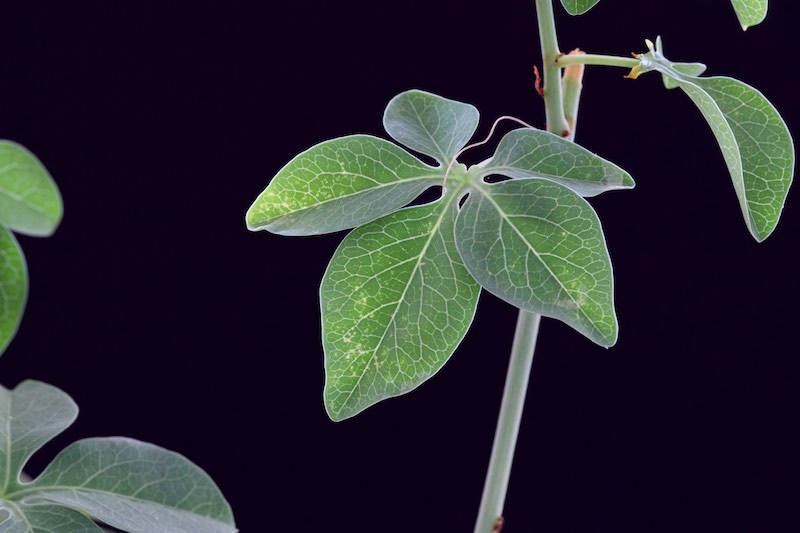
<point x="498" y="525"/>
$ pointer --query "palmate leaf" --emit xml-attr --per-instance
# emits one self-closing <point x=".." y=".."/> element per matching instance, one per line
<point x="13" y="287"/>
<point x="430" y="124"/>
<point x="396" y="301"/>
<point x="578" y="7"/>
<point x="529" y="153"/>
<point x="29" y="199"/>
<point x="754" y="139"/>
<point x="401" y="291"/>
<point x="131" y="485"/>
<point x="340" y="184"/>
<point x="540" y="246"/>
<point x="750" y="12"/>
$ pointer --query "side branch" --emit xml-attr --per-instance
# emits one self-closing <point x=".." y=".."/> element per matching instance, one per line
<point x="564" y="61"/>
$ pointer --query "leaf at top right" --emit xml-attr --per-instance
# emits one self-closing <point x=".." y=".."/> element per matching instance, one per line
<point x="750" y="12"/>
<point x="754" y="139"/>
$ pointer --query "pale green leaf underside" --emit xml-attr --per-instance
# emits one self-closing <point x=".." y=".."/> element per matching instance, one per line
<point x="44" y="518"/>
<point x="340" y="184"/>
<point x="527" y="153"/>
<point x="578" y="7"/>
<point x="430" y="124"/>
<point x="30" y="416"/>
<point x="13" y="287"/>
<point x="750" y="12"/>
<point x="29" y="199"/>
<point x="688" y="69"/>
<point x="396" y="301"/>
<point x="127" y="484"/>
<point x="135" y="486"/>
<point x="755" y="143"/>
<point x="540" y="246"/>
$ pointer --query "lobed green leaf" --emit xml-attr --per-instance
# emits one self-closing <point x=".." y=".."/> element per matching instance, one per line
<point x="340" y="184"/>
<point x="29" y="199"/>
<point x="755" y="142"/>
<point x="532" y="153"/>
<point x="430" y="124"/>
<point x="539" y="246"/>
<point x="750" y="12"/>
<point x="578" y="7"/>
<point x="396" y="301"/>
<point x="13" y="287"/>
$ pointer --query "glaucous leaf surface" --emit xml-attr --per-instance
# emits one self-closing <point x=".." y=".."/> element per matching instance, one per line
<point x="30" y="416"/>
<point x="688" y="69"/>
<point x="135" y="486"/>
<point x="430" y="124"/>
<point x="29" y="199"/>
<point x="754" y="139"/>
<point x="530" y="153"/>
<point x="396" y="301"/>
<point x="750" y="12"/>
<point x="44" y="518"/>
<point x="340" y="184"/>
<point x="539" y="246"/>
<point x="13" y="287"/>
<point x="578" y="7"/>
<point x="131" y="485"/>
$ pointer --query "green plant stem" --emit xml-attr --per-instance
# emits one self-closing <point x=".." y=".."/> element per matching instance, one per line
<point x="595" y="59"/>
<point x="505" y="438"/>
<point x="554" y="107"/>
<point x="490" y="514"/>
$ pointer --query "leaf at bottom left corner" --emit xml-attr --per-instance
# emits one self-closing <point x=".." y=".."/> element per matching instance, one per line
<point x="43" y="518"/>
<point x="134" y="486"/>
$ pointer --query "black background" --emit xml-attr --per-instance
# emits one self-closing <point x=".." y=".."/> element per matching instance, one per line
<point x="168" y="322"/>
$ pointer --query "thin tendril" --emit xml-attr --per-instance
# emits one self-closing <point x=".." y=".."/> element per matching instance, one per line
<point x="475" y="145"/>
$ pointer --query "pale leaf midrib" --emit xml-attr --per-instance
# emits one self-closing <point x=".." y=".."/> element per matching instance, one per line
<point x="434" y="231"/>
<point x="80" y="489"/>
<point x="22" y="201"/>
<point x="430" y="135"/>
<point x="434" y="178"/>
<point x="487" y="195"/>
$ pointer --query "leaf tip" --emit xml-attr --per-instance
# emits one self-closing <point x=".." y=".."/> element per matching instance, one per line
<point x="627" y="181"/>
<point x="250" y="220"/>
<point x="608" y="341"/>
<point x="336" y="415"/>
<point x="761" y="235"/>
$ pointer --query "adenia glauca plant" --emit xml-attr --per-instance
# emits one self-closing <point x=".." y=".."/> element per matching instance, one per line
<point x="129" y="485"/>
<point x="402" y="288"/>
